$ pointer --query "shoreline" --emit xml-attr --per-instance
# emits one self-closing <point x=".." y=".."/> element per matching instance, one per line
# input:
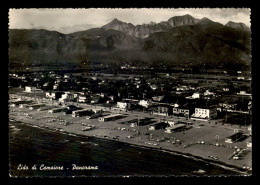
<point x="221" y="164"/>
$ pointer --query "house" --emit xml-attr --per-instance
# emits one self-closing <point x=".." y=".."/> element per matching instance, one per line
<point x="67" y="97"/>
<point x="204" y="113"/>
<point x="83" y="99"/>
<point x="226" y="89"/>
<point x="66" y="76"/>
<point x="55" y="87"/>
<point x="31" y="89"/>
<point x="183" y="88"/>
<point x="157" y="98"/>
<point x="145" y="103"/>
<point x="171" y="122"/>
<point x="53" y="95"/>
<point x="45" y="84"/>
<point x="234" y="138"/>
<point x="195" y="95"/>
<point x="123" y="105"/>
<point x="95" y="99"/>
<point x="244" y="93"/>
<point x="208" y="93"/>
<point x="241" y="78"/>
<point x="154" y="87"/>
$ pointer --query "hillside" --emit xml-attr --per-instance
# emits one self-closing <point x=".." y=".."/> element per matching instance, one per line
<point x="189" y="42"/>
<point x="206" y="42"/>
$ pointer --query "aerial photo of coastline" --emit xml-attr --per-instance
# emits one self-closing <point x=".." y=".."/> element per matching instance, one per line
<point x="130" y="92"/>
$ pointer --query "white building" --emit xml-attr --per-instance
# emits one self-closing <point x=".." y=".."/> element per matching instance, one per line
<point x="204" y="113"/>
<point x="66" y="97"/>
<point x="154" y="87"/>
<point x="208" y="93"/>
<point x="244" y="93"/>
<point x="194" y="96"/>
<point x="122" y="105"/>
<point x="226" y="89"/>
<point x="241" y="78"/>
<point x="82" y="99"/>
<point x="145" y="103"/>
<point x="55" y="87"/>
<point x="31" y="89"/>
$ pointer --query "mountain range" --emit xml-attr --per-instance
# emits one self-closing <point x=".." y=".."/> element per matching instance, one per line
<point x="180" y="39"/>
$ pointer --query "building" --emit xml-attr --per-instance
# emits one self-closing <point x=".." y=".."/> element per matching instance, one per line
<point x="56" y="110"/>
<point x="145" y="103"/>
<point x="95" y="114"/>
<point x="234" y="138"/>
<point x="36" y="106"/>
<point x="95" y="99"/>
<point x="173" y="128"/>
<point x="159" y="125"/>
<point x="204" y="114"/>
<point x="123" y="105"/>
<point x="241" y="78"/>
<point x="250" y="130"/>
<point x="208" y="93"/>
<point x="157" y="98"/>
<point x="249" y="144"/>
<point x="183" y="111"/>
<point x="195" y="95"/>
<point x="53" y="95"/>
<point x="31" y="89"/>
<point x="182" y="88"/>
<point x="244" y="93"/>
<point x="163" y="110"/>
<point x="55" y="87"/>
<point x="67" y="97"/>
<point x="83" y="99"/>
<point x="80" y="113"/>
<point x="110" y="117"/>
<point x="154" y="87"/>
<point x="226" y="89"/>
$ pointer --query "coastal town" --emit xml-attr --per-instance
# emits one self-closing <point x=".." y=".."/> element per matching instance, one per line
<point x="205" y="115"/>
<point x="130" y="92"/>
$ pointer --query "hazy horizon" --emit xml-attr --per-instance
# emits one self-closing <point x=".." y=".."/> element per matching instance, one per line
<point x="72" y="20"/>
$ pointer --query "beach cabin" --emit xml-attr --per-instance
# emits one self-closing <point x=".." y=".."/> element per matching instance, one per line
<point x="79" y="113"/>
<point x="110" y="117"/>
<point x="56" y="110"/>
<point x="95" y="113"/>
<point x="159" y="125"/>
<point x="36" y="106"/>
<point x="234" y="138"/>
<point x="175" y="128"/>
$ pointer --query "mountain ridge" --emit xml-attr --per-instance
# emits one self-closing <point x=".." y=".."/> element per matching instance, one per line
<point x="204" y="41"/>
<point x="144" y="30"/>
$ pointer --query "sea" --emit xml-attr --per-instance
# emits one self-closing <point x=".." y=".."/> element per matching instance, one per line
<point x="41" y="152"/>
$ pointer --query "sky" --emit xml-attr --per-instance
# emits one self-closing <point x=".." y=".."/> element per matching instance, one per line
<point x="71" y="20"/>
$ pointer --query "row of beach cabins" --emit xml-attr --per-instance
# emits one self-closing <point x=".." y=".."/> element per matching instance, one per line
<point x="169" y="126"/>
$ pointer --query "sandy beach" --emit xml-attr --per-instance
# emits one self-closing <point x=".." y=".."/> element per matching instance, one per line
<point x="199" y="142"/>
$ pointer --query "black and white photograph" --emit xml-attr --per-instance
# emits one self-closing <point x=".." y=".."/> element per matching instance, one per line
<point x="129" y="92"/>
